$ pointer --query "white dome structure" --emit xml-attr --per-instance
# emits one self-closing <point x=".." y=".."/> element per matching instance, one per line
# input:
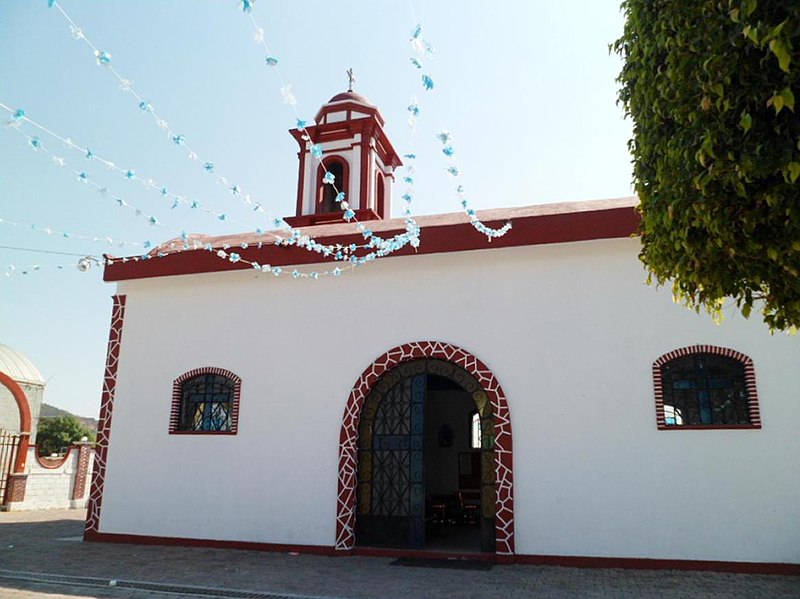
<point x="18" y="367"/>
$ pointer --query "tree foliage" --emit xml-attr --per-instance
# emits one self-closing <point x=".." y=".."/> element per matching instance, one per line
<point x="59" y="432"/>
<point x="710" y="86"/>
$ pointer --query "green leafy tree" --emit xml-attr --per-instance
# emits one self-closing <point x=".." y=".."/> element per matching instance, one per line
<point x="58" y="432"/>
<point x="710" y="86"/>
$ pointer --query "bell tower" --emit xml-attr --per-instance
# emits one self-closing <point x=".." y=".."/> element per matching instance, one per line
<point x="355" y="151"/>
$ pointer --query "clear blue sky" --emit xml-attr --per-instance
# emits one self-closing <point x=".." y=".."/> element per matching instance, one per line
<point x="525" y="87"/>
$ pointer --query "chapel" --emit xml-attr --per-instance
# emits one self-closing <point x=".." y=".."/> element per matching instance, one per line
<point x="527" y="400"/>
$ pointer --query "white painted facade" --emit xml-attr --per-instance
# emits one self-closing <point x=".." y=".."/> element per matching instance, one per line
<point x="570" y="330"/>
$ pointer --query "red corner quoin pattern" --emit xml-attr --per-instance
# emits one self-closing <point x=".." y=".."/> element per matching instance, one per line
<point x="348" y="439"/>
<point x="104" y="425"/>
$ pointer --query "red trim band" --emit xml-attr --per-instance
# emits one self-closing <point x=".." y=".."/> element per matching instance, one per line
<point x="442" y="233"/>
<point x="106" y="537"/>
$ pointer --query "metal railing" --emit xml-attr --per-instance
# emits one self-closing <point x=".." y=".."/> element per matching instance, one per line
<point x="9" y="445"/>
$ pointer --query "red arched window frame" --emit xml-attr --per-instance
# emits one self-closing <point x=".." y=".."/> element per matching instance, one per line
<point x="342" y="185"/>
<point x="177" y="402"/>
<point x="746" y="363"/>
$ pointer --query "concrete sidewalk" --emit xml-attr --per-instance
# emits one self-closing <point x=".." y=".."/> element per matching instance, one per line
<point x="47" y="545"/>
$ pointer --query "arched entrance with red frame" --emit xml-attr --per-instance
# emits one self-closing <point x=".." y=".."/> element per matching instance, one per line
<point x="16" y="489"/>
<point x="348" y="438"/>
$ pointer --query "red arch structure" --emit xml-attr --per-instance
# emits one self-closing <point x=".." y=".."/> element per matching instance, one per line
<point x="24" y="426"/>
<point x="348" y="438"/>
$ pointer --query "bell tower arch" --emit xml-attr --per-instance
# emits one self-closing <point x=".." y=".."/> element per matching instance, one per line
<point x="355" y="151"/>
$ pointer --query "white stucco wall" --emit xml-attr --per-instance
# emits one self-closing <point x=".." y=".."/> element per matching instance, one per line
<point x="569" y="330"/>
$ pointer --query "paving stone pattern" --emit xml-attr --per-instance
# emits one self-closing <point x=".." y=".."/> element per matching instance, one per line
<point x="48" y="542"/>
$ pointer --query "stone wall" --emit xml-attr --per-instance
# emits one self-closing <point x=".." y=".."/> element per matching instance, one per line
<point x="56" y="483"/>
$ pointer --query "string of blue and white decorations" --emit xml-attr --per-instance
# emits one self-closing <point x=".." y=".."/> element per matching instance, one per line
<point x="378" y="246"/>
<point x="12" y="269"/>
<point x="103" y="58"/>
<point x="83" y="175"/>
<point x="67" y="235"/>
<point x="374" y="246"/>
<point x="340" y="252"/>
<point x="36" y="144"/>
<point x="84" y="264"/>
<point x="424" y="50"/>
<point x="411" y="235"/>
<point x="384" y="246"/>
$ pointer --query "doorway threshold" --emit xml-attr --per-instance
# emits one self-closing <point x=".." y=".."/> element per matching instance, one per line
<point x="424" y="554"/>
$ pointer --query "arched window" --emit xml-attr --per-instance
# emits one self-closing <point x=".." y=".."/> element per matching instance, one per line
<point x="205" y="400"/>
<point x="380" y="196"/>
<point x="326" y="193"/>
<point x="475" y="430"/>
<point x="705" y="386"/>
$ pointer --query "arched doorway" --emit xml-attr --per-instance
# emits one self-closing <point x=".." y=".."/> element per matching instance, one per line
<point x="399" y="377"/>
<point x="12" y="473"/>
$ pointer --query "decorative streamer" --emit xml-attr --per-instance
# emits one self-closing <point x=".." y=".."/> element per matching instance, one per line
<point x="12" y="269"/>
<point x="452" y="169"/>
<point x="84" y="264"/>
<point x="422" y="50"/>
<point x="337" y="252"/>
<point x="145" y="106"/>
<point x="411" y="236"/>
<point x="81" y="176"/>
<point x="66" y="235"/>
<point x="104" y="58"/>
<point x="174" y="199"/>
<point x="378" y="247"/>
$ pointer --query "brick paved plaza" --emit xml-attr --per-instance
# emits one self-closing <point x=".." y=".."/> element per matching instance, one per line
<point x="47" y="543"/>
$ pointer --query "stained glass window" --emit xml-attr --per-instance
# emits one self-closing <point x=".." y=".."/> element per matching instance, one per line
<point x="704" y="389"/>
<point x="206" y="403"/>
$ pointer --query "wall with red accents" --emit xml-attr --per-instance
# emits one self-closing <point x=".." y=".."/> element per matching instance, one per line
<point x="57" y="483"/>
<point x="569" y="330"/>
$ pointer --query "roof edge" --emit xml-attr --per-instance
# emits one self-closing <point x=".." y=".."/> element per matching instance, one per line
<point x="531" y="225"/>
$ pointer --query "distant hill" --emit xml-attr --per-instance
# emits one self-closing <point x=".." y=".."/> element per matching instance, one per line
<point x="49" y="411"/>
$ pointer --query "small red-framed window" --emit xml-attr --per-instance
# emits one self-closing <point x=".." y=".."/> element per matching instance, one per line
<point x="326" y="193"/>
<point x="705" y="387"/>
<point x="205" y="401"/>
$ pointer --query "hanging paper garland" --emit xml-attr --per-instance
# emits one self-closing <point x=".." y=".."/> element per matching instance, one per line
<point x="129" y="174"/>
<point x="423" y="49"/>
<point x="104" y="59"/>
<point x="66" y="235"/>
<point x="146" y="106"/>
<point x="380" y="246"/>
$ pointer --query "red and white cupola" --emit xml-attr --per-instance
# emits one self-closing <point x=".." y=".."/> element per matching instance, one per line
<point x="356" y="151"/>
